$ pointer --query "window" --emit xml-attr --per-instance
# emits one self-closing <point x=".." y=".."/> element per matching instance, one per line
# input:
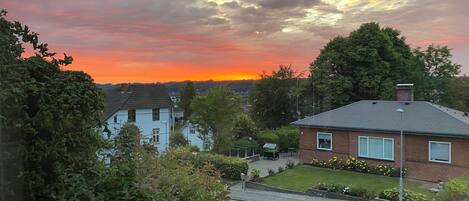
<point x="376" y="147"/>
<point x="156" y="114"/>
<point x="439" y="152"/>
<point x="131" y="116"/>
<point x="192" y="130"/>
<point x="155" y="138"/>
<point x="115" y="119"/>
<point x="324" y="141"/>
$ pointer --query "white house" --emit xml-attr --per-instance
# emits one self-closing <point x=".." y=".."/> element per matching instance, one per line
<point x="193" y="136"/>
<point x="148" y="106"/>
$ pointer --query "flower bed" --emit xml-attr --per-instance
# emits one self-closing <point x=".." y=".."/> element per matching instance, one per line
<point x="345" y="190"/>
<point x="353" y="164"/>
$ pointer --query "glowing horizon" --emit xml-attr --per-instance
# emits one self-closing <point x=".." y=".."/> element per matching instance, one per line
<point x="159" y="41"/>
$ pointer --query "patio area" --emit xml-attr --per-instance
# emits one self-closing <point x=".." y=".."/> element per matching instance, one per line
<point x="265" y="164"/>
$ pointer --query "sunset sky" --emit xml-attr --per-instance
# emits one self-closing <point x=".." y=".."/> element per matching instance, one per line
<point x="173" y="40"/>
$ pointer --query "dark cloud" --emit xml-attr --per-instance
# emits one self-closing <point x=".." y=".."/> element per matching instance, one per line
<point x="254" y="34"/>
<point x="286" y="4"/>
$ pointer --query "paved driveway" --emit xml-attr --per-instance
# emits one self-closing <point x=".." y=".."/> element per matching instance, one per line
<point x="237" y="194"/>
<point x="265" y="165"/>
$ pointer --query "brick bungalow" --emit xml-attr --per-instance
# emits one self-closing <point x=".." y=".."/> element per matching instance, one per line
<point x="436" y="138"/>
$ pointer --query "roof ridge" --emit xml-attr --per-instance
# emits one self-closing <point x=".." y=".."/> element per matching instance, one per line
<point x="434" y="105"/>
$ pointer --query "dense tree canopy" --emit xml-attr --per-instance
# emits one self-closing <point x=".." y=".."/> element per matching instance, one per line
<point x="52" y="116"/>
<point x="51" y="147"/>
<point x="368" y="64"/>
<point x="274" y="99"/>
<point x="214" y="113"/>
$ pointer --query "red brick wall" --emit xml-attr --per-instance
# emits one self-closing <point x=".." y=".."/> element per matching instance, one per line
<point x="422" y="168"/>
<point x="344" y="144"/>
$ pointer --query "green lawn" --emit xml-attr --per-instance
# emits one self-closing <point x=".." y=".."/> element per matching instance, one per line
<point x="301" y="178"/>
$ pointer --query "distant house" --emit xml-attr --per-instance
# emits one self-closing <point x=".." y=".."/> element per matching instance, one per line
<point x="148" y="106"/>
<point x="436" y="138"/>
<point x="193" y="136"/>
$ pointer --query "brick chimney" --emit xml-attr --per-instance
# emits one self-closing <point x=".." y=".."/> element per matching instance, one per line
<point x="405" y="92"/>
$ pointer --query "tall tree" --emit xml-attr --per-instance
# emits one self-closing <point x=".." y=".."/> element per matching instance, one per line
<point x="364" y="65"/>
<point x="187" y="95"/>
<point x="214" y="114"/>
<point x="439" y="71"/>
<point x="273" y="99"/>
<point x="457" y="94"/>
<point x="49" y="125"/>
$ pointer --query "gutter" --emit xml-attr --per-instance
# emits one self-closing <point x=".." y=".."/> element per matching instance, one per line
<point x="421" y="133"/>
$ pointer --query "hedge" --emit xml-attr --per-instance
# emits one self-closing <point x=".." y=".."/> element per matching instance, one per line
<point x="229" y="167"/>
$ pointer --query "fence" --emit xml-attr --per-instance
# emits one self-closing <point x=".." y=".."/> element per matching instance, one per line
<point x="244" y="152"/>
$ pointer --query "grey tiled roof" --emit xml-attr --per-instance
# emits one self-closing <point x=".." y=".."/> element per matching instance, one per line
<point x="419" y="117"/>
<point x="138" y="96"/>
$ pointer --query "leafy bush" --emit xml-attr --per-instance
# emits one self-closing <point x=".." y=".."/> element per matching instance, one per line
<point x="267" y="136"/>
<point x="353" y="164"/>
<point x="455" y="189"/>
<point x="344" y="189"/>
<point x="256" y="173"/>
<point x="177" y="139"/>
<point x="288" y="137"/>
<point x="393" y="195"/>
<point x="245" y="142"/>
<point x="244" y="127"/>
<point x="193" y="148"/>
<point x="271" y="172"/>
<point x="229" y="167"/>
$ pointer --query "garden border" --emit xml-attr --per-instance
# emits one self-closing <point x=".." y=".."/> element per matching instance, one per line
<point x="310" y="192"/>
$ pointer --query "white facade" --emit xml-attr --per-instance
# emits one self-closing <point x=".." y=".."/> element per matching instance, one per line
<point x="192" y="135"/>
<point x="155" y="131"/>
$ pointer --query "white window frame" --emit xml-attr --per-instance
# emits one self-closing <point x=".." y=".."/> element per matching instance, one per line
<point x="155" y="138"/>
<point x="317" y="141"/>
<point x="430" y="154"/>
<point x="368" y="148"/>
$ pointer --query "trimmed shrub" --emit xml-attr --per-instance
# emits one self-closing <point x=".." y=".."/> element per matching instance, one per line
<point x="393" y="195"/>
<point x="353" y="164"/>
<point x="229" y="167"/>
<point x="455" y="189"/>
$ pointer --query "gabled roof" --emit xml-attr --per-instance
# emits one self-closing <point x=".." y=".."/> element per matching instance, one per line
<point x="136" y="96"/>
<point x="419" y="117"/>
